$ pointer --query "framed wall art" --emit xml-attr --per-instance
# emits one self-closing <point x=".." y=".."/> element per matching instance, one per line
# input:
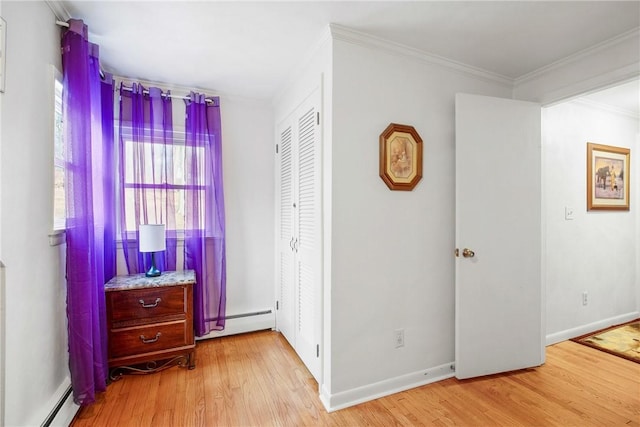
<point x="400" y="157"/>
<point x="608" y="170"/>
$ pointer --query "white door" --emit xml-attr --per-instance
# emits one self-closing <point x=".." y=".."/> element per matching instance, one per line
<point x="298" y="309"/>
<point x="308" y="243"/>
<point x="498" y="235"/>
<point x="285" y="264"/>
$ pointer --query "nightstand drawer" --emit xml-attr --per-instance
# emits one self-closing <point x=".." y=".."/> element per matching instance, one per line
<point x="146" y="339"/>
<point x="147" y="303"/>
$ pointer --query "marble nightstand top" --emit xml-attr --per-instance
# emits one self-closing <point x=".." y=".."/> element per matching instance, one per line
<point x="137" y="281"/>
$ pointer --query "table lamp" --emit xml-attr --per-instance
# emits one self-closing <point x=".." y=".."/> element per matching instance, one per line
<point x="152" y="240"/>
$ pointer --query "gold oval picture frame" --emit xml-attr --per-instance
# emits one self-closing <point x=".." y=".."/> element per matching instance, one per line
<point x="400" y="157"/>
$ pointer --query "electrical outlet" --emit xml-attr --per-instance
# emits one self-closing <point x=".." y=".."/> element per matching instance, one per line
<point x="585" y="298"/>
<point x="399" y="338"/>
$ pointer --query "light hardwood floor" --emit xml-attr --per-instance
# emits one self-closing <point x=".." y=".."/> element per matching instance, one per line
<point x="256" y="379"/>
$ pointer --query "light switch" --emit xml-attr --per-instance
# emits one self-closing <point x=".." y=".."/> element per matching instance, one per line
<point x="568" y="213"/>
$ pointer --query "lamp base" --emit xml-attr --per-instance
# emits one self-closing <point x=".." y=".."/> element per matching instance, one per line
<point x="153" y="271"/>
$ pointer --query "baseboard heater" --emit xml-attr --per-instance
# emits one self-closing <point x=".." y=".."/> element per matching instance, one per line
<point x="255" y="313"/>
<point x="245" y="322"/>
<point x="54" y="412"/>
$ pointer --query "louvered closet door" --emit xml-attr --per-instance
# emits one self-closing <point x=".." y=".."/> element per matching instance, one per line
<point x="286" y="262"/>
<point x="299" y="230"/>
<point x="308" y="226"/>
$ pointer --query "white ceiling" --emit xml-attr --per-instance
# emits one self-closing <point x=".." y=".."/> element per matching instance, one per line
<point x="248" y="48"/>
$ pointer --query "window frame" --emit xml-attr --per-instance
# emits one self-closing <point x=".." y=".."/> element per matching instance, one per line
<point x="58" y="163"/>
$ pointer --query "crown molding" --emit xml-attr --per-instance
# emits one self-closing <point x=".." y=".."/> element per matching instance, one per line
<point x="607" y="44"/>
<point x="58" y="9"/>
<point x="339" y="32"/>
<point x="608" y="108"/>
<point x="594" y="83"/>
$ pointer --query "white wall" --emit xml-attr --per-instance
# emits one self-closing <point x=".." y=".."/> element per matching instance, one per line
<point x="36" y="338"/>
<point x="597" y="251"/>
<point x="247" y="132"/>
<point x="392" y="251"/>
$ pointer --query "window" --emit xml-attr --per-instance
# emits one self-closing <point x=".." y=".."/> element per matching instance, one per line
<point x="59" y="209"/>
<point x="155" y="180"/>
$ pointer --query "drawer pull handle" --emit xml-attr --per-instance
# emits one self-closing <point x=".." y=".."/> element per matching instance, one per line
<point x="150" y="340"/>
<point x="155" y="304"/>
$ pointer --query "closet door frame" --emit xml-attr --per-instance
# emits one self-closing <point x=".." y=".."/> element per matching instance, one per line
<point x="301" y="324"/>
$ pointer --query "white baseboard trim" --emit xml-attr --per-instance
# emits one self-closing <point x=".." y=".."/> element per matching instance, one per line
<point x="591" y="327"/>
<point x="239" y="324"/>
<point x="345" y="399"/>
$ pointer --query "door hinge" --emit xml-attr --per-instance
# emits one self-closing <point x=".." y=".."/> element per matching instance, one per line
<point x="276" y="148"/>
<point x="318" y="117"/>
<point x="317" y="350"/>
<point x="277" y="305"/>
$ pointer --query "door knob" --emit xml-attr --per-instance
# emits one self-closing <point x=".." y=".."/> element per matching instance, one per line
<point x="468" y="253"/>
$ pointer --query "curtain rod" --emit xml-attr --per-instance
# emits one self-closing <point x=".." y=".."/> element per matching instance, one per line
<point x="146" y="92"/>
<point x="66" y="25"/>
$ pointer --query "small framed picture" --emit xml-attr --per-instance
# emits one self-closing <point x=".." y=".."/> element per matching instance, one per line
<point x="607" y="177"/>
<point x="400" y="157"/>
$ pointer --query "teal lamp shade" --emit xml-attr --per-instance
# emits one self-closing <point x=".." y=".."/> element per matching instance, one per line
<point x="152" y="240"/>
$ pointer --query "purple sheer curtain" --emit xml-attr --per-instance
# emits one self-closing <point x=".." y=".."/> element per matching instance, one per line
<point x="108" y="177"/>
<point x="204" y="241"/>
<point x="89" y="226"/>
<point x="147" y="184"/>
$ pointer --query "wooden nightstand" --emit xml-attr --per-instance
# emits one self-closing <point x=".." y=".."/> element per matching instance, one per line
<point x="150" y="322"/>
